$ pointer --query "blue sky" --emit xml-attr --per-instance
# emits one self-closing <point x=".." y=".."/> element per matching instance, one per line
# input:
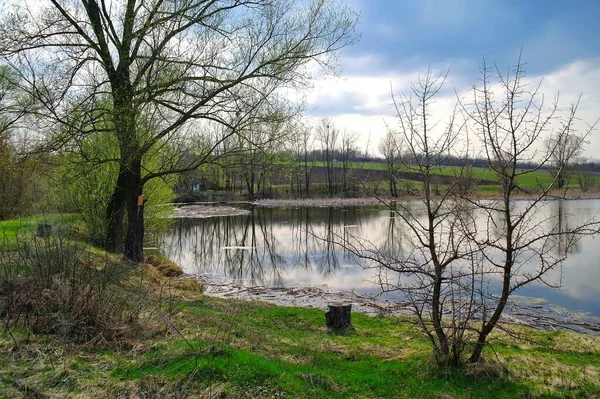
<point x="400" y="39"/>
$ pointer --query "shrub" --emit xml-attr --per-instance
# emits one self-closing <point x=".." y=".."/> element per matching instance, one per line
<point x="50" y="285"/>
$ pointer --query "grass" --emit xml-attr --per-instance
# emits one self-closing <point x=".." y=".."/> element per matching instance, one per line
<point x="198" y="346"/>
<point x="528" y="180"/>
<point x="10" y="229"/>
<point x="227" y="348"/>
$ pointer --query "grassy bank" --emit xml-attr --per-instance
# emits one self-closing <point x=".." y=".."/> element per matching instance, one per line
<point x="207" y="347"/>
<point x="176" y="342"/>
<point x="218" y="348"/>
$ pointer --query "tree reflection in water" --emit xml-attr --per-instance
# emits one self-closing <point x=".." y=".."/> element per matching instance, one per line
<point x="258" y="249"/>
<point x="307" y="246"/>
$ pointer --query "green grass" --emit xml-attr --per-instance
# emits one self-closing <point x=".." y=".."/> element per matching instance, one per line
<point x="528" y="180"/>
<point x="9" y="229"/>
<point x="288" y="351"/>
<point x="244" y="349"/>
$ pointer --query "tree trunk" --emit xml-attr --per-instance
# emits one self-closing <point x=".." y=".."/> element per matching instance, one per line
<point x="250" y="185"/>
<point x="115" y="213"/>
<point x="134" y="240"/>
<point x="125" y="198"/>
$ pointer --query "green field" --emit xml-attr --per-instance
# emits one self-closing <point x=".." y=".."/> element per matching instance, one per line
<point x="27" y="226"/>
<point x="527" y="180"/>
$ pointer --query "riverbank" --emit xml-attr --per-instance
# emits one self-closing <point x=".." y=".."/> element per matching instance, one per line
<point x="522" y="311"/>
<point x="207" y="347"/>
<point x="235" y="208"/>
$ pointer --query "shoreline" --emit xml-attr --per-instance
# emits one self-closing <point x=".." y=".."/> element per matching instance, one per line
<point x="382" y="200"/>
<point x="519" y="311"/>
<point x="229" y="208"/>
<point x="541" y="316"/>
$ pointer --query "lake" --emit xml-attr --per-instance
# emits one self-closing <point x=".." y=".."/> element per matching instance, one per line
<point x="304" y="246"/>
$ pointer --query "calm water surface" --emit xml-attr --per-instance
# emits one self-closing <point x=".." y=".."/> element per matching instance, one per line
<point x="302" y="246"/>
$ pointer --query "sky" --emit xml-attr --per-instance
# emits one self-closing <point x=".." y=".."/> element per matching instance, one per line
<point x="401" y="39"/>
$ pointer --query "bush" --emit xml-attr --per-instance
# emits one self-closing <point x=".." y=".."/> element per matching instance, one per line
<point x="86" y="187"/>
<point x="50" y="285"/>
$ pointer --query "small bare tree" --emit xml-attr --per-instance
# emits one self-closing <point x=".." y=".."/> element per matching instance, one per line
<point x="436" y="256"/>
<point x="509" y="130"/>
<point x="391" y="149"/>
<point x="328" y="135"/>
<point x="564" y="148"/>
<point x="459" y="258"/>
<point x="585" y="178"/>
<point x="347" y="155"/>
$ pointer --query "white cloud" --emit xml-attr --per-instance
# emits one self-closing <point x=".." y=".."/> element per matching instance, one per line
<point x="361" y="102"/>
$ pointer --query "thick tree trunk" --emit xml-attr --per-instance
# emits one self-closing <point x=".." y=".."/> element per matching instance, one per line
<point x="125" y="199"/>
<point x="134" y="240"/>
<point x="115" y="213"/>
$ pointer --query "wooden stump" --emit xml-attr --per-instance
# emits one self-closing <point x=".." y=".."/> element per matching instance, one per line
<point x="339" y="315"/>
<point x="44" y="229"/>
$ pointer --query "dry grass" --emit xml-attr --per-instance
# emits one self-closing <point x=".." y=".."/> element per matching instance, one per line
<point x="54" y="286"/>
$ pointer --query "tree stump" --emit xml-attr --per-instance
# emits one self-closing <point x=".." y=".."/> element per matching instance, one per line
<point x="44" y="229"/>
<point x="339" y="315"/>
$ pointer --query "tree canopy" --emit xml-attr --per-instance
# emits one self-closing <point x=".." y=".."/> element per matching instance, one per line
<point x="158" y="69"/>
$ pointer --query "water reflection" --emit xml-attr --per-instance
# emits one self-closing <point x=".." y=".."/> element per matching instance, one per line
<point x="309" y="246"/>
<point x="270" y="246"/>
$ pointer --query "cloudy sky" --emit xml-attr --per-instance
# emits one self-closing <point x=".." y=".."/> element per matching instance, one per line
<point x="401" y="38"/>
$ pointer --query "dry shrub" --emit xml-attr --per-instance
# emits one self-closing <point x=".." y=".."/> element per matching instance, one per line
<point x="50" y="285"/>
<point x="487" y="369"/>
<point x="169" y="269"/>
<point x="166" y="267"/>
<point x="188" y="284"/>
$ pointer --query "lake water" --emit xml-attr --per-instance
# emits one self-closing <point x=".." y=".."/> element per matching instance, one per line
<point x="304" y="247"/>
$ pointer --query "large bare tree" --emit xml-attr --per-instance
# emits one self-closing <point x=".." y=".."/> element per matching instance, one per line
<point x="161" y="65"/>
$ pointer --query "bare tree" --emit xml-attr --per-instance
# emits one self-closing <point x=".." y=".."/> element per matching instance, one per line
<point x="307" y="166"/>
<point x="18" y="177"/>
<point x="257" y="145"/>
<point x="347" y="155"/>
<point x="436" y="255"/>
<point x="564" y="148"/>
<point x="585" y="178"/>
<point x="163" y="63"/>
<point x="509" y="130"/>
<point x="327" y="135"/>
<point x="391" y="149"/>
<point x="461" y="258"/>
